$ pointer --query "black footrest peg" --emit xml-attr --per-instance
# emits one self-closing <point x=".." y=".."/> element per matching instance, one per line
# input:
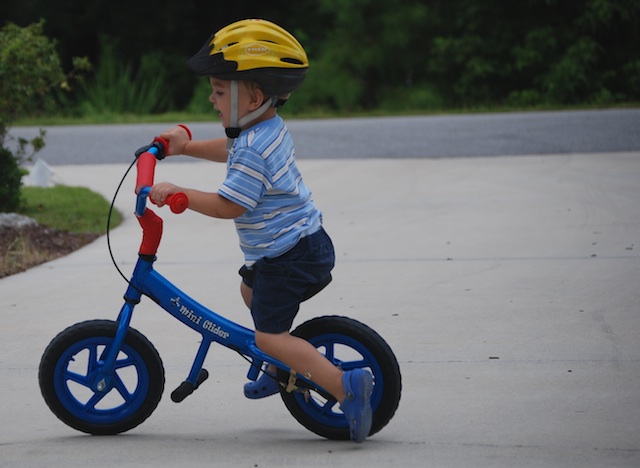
<point x="186" y="388"/>
<point x="202" y="376"/>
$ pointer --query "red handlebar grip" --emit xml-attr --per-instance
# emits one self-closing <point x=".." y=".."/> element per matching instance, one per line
<point x="178" y="202"/>
<point x="146" y="168"/>
<point x="165" y="146"/>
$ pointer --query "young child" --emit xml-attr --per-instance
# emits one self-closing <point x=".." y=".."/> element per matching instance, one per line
<point x="253" y="67"/>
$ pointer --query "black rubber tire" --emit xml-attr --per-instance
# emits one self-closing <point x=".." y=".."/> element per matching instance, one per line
<point x="331" y="334"/>
<point x="65" y="390"/>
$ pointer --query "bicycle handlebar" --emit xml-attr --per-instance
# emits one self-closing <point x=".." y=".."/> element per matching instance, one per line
<point x="178" y="202"/>
<point x="146" y="164"/>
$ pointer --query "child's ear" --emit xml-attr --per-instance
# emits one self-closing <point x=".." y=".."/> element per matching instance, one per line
<point x="256" y="98"/>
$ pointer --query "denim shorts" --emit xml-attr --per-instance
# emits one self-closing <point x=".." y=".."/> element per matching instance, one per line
<point x="280" y="284"/>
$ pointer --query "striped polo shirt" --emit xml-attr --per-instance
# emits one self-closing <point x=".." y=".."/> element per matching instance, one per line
<point x="262" y="176"/>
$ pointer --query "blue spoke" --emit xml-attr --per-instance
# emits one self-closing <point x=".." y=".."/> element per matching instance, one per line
<point x="350" y="365"/>
<point x="119" y="385"/>
<point x="93" y="359"/>
<point x="94" y="400"/>
<point x="330" y="354"/>
<point x="328" y="406"/>
<point x="77" y="378"/>
<point x="128" y="361"/>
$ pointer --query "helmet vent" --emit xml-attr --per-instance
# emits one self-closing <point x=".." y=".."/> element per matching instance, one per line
<point x="295" y="61"/>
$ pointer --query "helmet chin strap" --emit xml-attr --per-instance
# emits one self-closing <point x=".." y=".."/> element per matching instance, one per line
<point x="235" y="124"/>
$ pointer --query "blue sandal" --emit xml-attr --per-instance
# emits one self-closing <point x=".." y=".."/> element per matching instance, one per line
<point x="356" y="407"/>
<point x="265" y="386"/>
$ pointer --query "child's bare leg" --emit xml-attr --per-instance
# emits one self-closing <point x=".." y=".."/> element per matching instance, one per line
<point x="304" y="358"/>
<point x="351" y="389"/>
<point x="298" y="354"/>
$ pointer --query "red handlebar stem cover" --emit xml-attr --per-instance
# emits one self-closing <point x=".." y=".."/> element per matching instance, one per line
<point x="151" y="232"/>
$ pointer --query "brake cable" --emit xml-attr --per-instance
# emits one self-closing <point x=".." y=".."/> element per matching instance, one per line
<point x="111" y="208"/>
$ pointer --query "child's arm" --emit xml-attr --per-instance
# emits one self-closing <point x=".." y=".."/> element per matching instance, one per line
<point x="210" y="204"/>
<point x="180" y="143"/>
<point x="213" y="204"/>
<point x="212" y="150"/>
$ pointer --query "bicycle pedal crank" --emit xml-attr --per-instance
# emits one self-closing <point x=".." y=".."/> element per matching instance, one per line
<point x="186" y="388"/>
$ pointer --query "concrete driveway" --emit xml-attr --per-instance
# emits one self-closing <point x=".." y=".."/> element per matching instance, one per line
<point x="508" y="288"/>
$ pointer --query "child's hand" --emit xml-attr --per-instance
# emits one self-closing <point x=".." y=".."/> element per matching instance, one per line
<point x="160" y="192"/>
<point x="178" y="137"/>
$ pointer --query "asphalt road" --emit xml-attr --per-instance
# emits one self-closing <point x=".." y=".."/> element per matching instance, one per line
<point x="504" y="134"/>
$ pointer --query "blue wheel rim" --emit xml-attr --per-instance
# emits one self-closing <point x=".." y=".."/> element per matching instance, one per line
<point x="76" y="369"/>
<point x="333" y="346"/>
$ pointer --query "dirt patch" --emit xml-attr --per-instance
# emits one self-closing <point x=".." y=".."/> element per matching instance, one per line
<point x="24" y="247"/>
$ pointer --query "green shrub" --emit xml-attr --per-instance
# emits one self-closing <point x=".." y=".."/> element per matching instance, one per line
<point x="410" y="99"/>
<point x="10" y="181"/>
<point x="116" y="88"/>
<point x="29" y="65"/>
<point x="29" y="69"/>
<point x="199" y="103"/>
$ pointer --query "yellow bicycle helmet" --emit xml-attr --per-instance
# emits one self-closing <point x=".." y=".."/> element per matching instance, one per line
<point x="257" y="50"/>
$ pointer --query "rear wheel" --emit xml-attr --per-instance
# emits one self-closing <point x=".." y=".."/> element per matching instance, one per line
<point x="349" y="344"/>
<point x="76" y="388"/>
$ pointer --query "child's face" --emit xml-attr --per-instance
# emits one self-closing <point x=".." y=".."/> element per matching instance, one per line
<point x="221" y="100"/>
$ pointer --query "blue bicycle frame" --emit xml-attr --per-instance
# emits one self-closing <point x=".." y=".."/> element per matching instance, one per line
<point x="213" y="327"/>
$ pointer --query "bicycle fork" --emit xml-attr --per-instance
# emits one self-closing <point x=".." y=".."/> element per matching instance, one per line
<point x="102" y="380"/>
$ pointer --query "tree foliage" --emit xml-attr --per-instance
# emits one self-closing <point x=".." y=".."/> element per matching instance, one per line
<point x="28" y="66"/>
<point x="29" y="69"/>
<point x="370" y="53"/>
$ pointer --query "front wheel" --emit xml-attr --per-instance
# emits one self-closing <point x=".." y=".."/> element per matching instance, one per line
<point x="349" y="344"/>
<point x="79" y="391"/>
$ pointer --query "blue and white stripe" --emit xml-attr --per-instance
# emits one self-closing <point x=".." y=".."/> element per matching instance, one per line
<point x="262" y="176"/>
